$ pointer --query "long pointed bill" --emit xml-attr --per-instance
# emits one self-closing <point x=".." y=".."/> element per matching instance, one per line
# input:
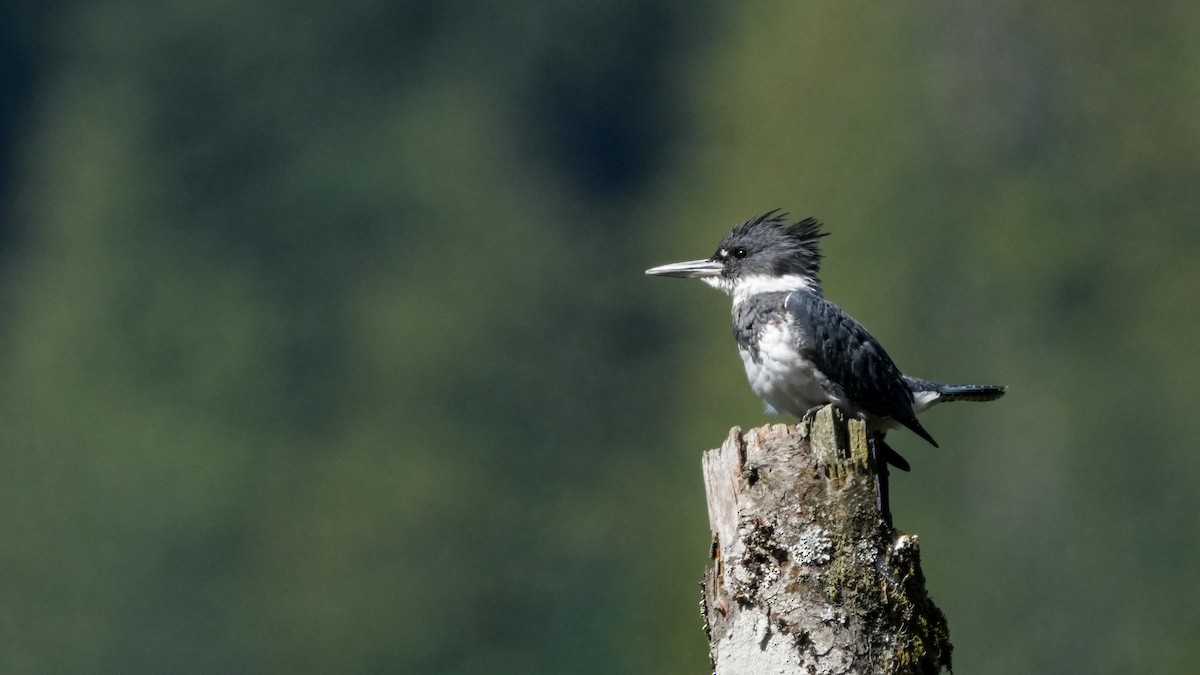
<point x="693" y="269"/>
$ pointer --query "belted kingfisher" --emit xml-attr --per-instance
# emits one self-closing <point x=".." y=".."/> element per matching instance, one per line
<point x="800" y="350"/>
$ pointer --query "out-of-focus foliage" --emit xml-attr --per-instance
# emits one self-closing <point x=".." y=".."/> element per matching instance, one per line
<point x="325" y="345"/>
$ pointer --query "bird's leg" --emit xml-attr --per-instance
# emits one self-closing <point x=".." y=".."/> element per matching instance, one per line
<point x="880" y="464"/>
<point x="810" y="415"/>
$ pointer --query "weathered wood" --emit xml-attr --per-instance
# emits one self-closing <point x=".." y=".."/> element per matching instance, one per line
<point x="806" y="576"/>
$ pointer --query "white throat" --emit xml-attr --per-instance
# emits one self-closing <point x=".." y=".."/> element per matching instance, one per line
<point x="750" y="286"/>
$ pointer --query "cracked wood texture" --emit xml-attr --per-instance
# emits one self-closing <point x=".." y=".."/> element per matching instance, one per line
<point x="806" y="575"/>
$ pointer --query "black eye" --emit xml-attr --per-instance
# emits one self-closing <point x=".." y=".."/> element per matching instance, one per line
<point x="738" y="252"/>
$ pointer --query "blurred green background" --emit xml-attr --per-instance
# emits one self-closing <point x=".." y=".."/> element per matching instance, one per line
<point x="325" y="344"/>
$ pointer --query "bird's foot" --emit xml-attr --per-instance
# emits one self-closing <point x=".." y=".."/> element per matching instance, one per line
<point x="810" y="416"/>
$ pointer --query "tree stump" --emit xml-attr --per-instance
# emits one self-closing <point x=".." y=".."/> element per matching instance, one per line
<point x="807" y="576"/>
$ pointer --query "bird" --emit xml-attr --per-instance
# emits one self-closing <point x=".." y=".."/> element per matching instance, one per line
<point x="800" y="350"/>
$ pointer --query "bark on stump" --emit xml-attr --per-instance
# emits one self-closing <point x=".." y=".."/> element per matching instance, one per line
<point x="807" y="578"/>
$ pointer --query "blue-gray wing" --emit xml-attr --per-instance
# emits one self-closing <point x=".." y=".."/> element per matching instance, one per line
<point x="846" y="353"/>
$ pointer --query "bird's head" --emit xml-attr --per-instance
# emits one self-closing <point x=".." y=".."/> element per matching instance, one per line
<point x="763" y="254"/>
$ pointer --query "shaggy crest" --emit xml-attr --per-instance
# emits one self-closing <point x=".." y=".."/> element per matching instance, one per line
<point x="801" y="241"/>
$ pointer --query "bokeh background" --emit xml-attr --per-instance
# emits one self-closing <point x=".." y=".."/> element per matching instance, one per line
<point x="325" y="344"/>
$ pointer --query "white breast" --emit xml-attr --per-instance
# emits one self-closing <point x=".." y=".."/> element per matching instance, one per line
<point x="782" y="377"/>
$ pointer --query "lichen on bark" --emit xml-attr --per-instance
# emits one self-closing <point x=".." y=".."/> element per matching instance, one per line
<point x="807" y="576"/>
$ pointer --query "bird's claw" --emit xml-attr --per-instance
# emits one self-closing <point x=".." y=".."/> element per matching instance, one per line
<point x="810" y="416"/>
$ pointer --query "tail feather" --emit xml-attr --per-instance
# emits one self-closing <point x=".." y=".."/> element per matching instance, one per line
<point x="927" y="393"/>
<point x="971" y="392"/>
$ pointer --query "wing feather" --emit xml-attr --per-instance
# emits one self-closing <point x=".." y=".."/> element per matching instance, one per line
<point x="852" y="359"/>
